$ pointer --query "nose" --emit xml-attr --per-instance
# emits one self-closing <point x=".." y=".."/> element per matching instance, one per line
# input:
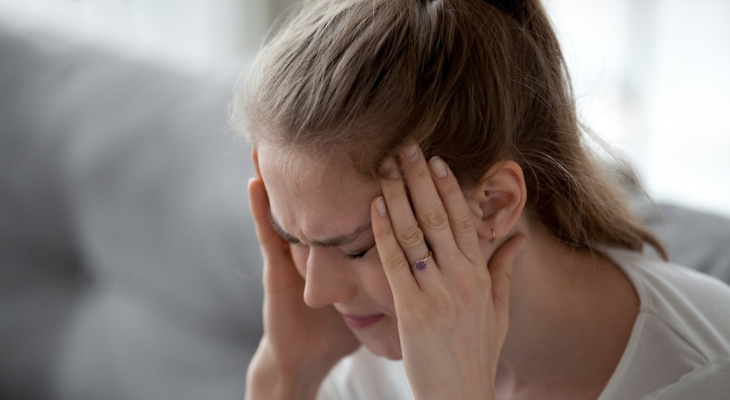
<point x="328" y="280"/>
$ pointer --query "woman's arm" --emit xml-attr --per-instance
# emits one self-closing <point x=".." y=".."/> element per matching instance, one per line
<point x="265" y="381"/>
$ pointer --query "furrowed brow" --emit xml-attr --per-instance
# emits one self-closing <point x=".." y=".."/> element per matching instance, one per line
<point x="333" y="242"/>
<point x="284" y="234"/>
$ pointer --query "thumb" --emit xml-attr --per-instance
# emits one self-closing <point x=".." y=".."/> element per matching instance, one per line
<point x="500" y="271"/>
<point x="279" y="269"/>
<point x="272" y="246"/>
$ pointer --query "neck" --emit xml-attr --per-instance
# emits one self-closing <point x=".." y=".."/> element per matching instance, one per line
<point x="571" y="315"/>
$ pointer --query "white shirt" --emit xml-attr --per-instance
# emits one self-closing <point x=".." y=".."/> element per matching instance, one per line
<point x="679" y="348"/>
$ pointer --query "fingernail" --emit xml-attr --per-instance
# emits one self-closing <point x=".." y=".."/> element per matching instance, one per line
<point x="390" y="169"/>
<point x="438" y="166"/>
<point x="411" y="152"/>
<point x="380" y="205"/>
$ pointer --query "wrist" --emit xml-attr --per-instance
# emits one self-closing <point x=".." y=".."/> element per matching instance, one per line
<point x="266" y="380"/>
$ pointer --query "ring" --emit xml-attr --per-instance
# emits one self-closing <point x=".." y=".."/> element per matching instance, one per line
<point x="420" y="265"/>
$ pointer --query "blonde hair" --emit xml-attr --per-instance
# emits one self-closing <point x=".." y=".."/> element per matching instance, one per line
<point x="474" y="82"/>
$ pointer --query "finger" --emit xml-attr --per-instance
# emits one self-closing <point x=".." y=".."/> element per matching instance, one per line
<point x="274" y="249"/>
<point x="430" y="212"/>
<point x="271" y="243"/>
<point x="461" y="218"/>
<point x="255" y="160"/>
<point x="395" y="265"/>
<point x="500" y="271"/>
<point x="405" y="226"/>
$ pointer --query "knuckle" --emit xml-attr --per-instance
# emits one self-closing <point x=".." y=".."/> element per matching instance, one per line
<point x="420" y="173"/>
<point x="382" y="230"/>
<point x="435" y="217"/>
<point x="465" y="289"/>
<point x="394" y="261"/>
<point x="482" y="280"/>
<point x="396" y="196"/>
<point x="463" y="224"/>
<point x="411" y="236"/>
<point x="447" y="309"/>
<point x="418" y="314"/>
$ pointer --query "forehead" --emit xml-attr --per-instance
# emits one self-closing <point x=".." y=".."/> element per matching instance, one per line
<point x="315" y="197"/>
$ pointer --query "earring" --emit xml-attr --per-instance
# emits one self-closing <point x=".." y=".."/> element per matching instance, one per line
<point x="494" y="238"/>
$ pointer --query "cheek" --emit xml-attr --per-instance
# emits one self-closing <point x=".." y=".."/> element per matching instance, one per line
<point x="385" y="292"/>
<point x="377" y="284"/>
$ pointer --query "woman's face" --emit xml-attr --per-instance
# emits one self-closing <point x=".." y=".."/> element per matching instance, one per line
<point x="324" y="212"/>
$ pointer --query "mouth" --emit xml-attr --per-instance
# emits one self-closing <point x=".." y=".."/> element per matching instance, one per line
<point x="361" y="321"/>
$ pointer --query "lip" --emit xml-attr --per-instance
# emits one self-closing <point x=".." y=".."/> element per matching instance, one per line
<point x="361" y="321"/>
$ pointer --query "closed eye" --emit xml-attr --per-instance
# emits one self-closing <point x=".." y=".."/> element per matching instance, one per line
<point x="358" y="255"/>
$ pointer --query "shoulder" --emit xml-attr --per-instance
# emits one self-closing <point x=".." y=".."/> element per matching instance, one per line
<point x="695" y="306"/>
<point x="659" y="276"/>
<point x="681" y="335"/>
<point x="709" y="383"/>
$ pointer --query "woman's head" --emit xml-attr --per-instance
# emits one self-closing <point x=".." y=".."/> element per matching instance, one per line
<point x="474" y="82"/>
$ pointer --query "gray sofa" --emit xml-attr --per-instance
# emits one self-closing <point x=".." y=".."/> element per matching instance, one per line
<point x="129" y="267"/>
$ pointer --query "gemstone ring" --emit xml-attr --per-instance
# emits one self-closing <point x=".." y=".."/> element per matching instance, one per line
<point x="420" y="265"/>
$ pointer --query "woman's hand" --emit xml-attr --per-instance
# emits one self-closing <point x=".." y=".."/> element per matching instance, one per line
<point x="300" y="344"/>
<point x="453" y="315"/>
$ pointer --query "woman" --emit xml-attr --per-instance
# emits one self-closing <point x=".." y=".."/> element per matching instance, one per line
<point x="424" y="193"/>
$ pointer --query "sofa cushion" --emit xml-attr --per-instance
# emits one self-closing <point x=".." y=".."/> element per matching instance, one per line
<point x="124" y="179"/>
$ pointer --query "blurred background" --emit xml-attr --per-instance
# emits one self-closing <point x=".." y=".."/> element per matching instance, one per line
<point x="129" y="268"/>
<point x="650" y="75"/>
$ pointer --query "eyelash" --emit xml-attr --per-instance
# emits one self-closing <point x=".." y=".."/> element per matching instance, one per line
<point x="358" y="255"/>
<point x="349" y="256"/>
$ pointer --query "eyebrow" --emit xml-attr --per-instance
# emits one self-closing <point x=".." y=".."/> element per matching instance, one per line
<point x="333" y="242"/>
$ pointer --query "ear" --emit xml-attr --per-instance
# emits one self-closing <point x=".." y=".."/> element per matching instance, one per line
<point x="255" y="159"/>
<point x="498" y="199"/>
